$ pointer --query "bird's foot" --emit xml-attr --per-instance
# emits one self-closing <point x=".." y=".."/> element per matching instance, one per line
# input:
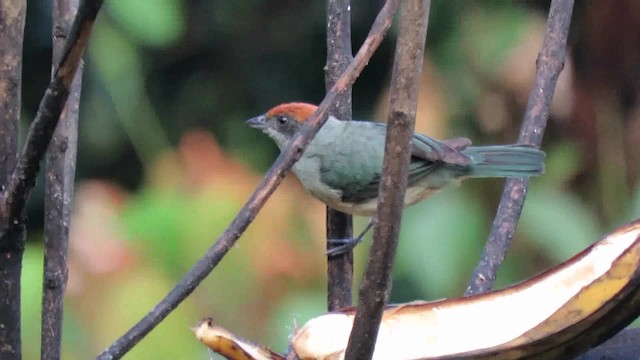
<point x="346" y="245"/>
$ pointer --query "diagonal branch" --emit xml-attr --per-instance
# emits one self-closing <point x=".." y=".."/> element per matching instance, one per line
<point x="405" y="85"/>
<point x="339" y="225"/>
<point x="60" y="174"/>
<point x="41" y="130"/>
<point x="268" y="185"/>
<point x="548" y="67"/>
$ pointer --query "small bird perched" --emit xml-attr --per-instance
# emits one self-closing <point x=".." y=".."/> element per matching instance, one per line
<point x="343" y="163"/>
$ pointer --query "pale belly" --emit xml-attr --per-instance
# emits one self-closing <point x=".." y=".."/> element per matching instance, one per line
<point x="370" y="207"/>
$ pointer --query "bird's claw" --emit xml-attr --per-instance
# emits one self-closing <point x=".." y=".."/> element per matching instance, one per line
<point x="344" y="245"/>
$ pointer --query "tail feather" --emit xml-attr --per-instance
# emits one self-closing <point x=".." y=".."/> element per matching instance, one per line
<point x="505" y="161"/>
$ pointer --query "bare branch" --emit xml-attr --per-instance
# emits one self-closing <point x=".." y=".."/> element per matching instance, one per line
<point x="403" y="102"/>
<point x="60" y="174"/>
<point x="24" y="176"/>
<point x="12" y="14"/>
<point x="624" y="345"/>
<point x="548" y="67"/>
<point x="339" y="225"/>
<point x="22" y="179"/>
<point x="268" y="185"/>
<point x="12" y="17"/>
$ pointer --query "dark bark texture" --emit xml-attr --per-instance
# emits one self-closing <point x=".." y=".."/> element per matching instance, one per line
<point x="405" y="85"/>
<point x="59" y="180"/>
<point x="12" y="19"/>
<point x="41" y="130"/>
<point x="27" y="166"/>
<point x="339" y="225"/>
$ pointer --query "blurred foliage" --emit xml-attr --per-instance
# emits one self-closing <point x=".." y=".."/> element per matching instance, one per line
<point x="165" y="160"/>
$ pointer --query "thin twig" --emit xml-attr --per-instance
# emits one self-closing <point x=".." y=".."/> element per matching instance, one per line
<point x="60" y="175"/>
<point x="548" y="67"/>
<point x="268" y="185"/>
<point x="12" y="16"/>
<point x="41" y="130"/>
<point x="339" y="225"/>
<point x="405" y="85"/>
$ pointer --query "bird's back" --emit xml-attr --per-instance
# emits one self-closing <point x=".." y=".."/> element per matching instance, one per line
<point x="348" y="155"/>
<point x="343" y="164"/>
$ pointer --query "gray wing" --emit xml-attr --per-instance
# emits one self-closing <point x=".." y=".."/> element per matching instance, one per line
<point x="448" y="151"/>
<point x="418" y="169"/>
<point x="357" y="176"/>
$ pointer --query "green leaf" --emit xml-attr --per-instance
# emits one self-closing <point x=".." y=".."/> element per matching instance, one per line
<point x="562" y="163"/>
<point x="440" y="242"/>
<point x="159" y="218"/>
<point x="558" y="222"/>
<point x="634" y="212"/>
<point x="488" y="36"/>
<point x="150" y="22"/>
<point x="31" y="299"/>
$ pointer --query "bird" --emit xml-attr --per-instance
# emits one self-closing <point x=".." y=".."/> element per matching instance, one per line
<point x="342" y="165"/>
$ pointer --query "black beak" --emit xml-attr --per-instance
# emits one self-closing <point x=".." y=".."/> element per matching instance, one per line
<point x="258" y="122"/>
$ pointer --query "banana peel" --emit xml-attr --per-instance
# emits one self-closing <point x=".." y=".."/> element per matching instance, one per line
<point x="229" y="345"/>
<point x="557" y="314"/>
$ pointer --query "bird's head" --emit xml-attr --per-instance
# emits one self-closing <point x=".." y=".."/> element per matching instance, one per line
<point x="283" y="121"/>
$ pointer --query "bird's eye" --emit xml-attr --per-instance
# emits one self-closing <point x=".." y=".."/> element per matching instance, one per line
<point x="281" y="120"/>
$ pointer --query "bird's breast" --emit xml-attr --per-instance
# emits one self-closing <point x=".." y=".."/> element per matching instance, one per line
<point x="307" y="169"/>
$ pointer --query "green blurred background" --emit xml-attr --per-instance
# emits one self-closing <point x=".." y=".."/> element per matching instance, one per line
<point x="165" y="160"/>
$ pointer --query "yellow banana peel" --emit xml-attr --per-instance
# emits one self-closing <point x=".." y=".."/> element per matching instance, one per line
<point x="557" y="314"/>
<point x="229" y="345"/>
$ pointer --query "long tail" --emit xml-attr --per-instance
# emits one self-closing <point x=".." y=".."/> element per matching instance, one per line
<point x="505" y="161"/>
